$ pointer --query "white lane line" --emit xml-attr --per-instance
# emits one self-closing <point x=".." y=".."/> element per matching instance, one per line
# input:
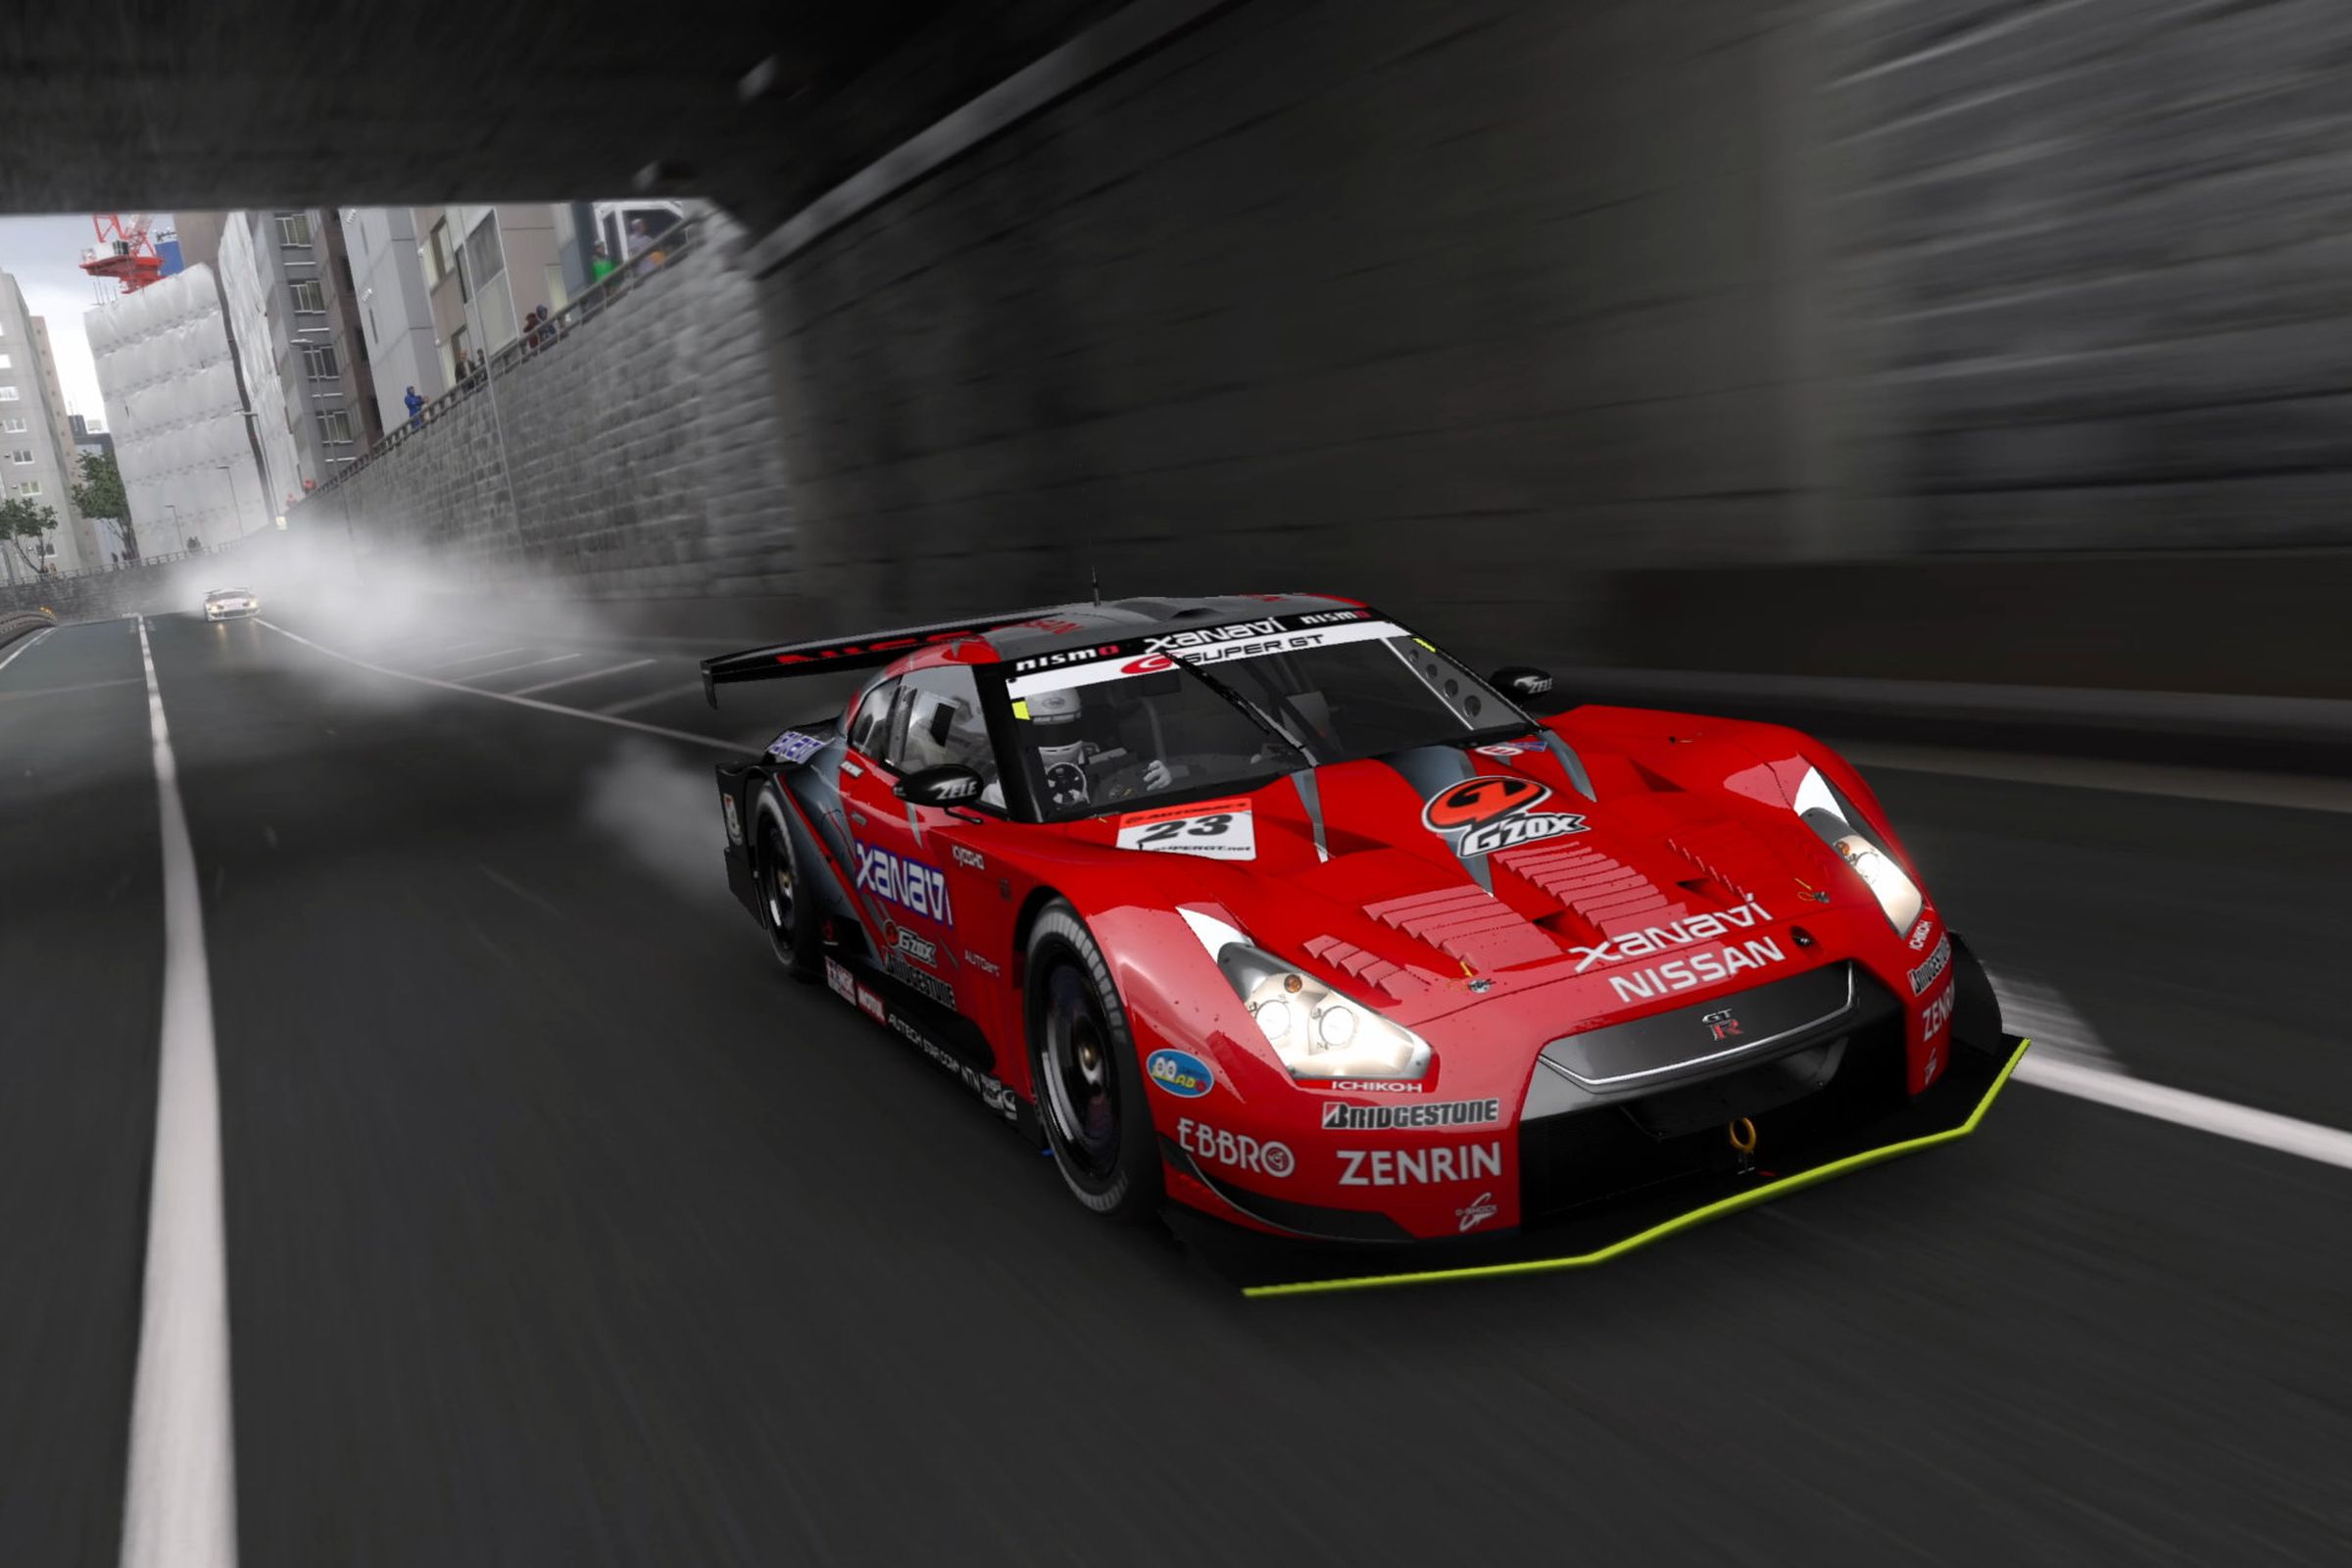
<point x="593" y="674"/>
<point x="509" y="669"/>
<point x="476" y="658"/>
<point x="179" y="1506"/>
<point x="14" y="652"/>
<point x="712" y="741"/>
<point x="2237" y="787"/>
<point x="2328" y="1144"/>
<point x="2037" y="1011"/>
<point x="631" y="704"/>
<point x="2069" y="1059"/>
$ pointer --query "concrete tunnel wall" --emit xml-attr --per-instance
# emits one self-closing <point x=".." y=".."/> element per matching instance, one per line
<point x="1553" y="326"/>
<point x="1547" y="323"/>
<point x="1426" y="304"/>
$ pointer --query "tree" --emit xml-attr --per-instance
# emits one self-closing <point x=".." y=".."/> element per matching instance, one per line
<point x="22" y="520"/>
<point x="100" y="495"/>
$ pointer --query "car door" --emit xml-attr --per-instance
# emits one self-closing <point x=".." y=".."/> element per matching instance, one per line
<point x="957" y="956"/>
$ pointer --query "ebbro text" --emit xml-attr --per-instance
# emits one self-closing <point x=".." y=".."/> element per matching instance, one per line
<point x="1259" y="1156"/>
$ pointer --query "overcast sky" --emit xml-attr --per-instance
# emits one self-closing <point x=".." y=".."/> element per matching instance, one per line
<point x="44" y="256"/>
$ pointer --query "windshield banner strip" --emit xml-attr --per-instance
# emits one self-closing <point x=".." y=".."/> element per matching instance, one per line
<point x="1156" y="654"/>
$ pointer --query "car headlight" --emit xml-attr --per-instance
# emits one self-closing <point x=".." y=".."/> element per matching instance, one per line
<point x="1319" y="1033"/>
<point x="1842" y="829"/>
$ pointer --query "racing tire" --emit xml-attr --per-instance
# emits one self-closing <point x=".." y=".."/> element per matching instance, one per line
<point x="787" y="913"/>
<point x="1087" y="1078"/>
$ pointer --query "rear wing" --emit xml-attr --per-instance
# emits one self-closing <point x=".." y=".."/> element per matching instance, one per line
<point x="849" y="653"/>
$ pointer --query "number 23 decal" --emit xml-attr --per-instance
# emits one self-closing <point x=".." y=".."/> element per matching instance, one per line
<point x="1199" y="827"/>
<point x="1223" y="830"/>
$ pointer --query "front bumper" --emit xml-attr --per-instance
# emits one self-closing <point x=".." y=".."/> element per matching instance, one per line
<point x="227" y="613"/>
<point x="1620" y="1142"/>
<point x="1950" y="1111"/>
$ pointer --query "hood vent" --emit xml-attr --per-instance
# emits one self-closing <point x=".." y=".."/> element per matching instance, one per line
<point x="1605" y="894"/>
<point x="1398" y="982"/>
<point x="1467" y="924"/>
<point x="1710" y="846"/>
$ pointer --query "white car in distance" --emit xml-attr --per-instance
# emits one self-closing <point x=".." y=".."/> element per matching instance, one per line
<point x="228" y="603"/>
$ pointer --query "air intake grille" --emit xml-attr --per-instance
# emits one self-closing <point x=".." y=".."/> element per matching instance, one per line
<point x="1467" y="923"/>
<point x="1401" y="983"/>
<point x="1605" y="894"/>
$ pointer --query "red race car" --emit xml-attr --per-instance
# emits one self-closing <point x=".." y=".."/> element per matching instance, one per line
<point x="1265" y="906"/>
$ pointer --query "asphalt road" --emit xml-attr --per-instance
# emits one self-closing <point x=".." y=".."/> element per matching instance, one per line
<point x="563" y="1228"/>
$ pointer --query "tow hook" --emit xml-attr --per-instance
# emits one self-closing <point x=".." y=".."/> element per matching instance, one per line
<point x="1741" y="1133"/>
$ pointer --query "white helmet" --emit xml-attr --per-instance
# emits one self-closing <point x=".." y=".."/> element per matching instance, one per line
<point x="1057" y="706"/>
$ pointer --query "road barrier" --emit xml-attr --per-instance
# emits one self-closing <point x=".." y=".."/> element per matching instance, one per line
<point x="23" y="623"/>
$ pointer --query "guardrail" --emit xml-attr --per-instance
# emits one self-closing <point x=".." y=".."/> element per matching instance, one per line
<point x="133" y="562"/>
<point x="533" y="338"/>
<point x="23" y="623"/>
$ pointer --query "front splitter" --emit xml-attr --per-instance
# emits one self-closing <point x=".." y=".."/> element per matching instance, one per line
<point x="1948" y="1111"/>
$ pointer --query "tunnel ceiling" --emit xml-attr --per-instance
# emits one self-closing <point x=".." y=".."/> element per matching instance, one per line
<point x="112" y="105"/>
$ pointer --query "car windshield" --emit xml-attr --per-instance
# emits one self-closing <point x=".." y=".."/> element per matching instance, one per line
<point x="1104" y="735"/>
<point x="226" y="593"/>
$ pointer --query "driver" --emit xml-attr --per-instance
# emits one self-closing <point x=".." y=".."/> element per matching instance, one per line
<point x="1078" y="770"/>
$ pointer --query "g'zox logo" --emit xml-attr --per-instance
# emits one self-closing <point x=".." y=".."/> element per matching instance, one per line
<point x="1493" y="812"/>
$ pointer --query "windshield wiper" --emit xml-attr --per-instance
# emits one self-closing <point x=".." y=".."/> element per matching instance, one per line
<point x="1248" y="709"/>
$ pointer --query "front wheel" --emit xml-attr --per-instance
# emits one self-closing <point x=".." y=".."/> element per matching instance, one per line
<point x="786" y="911"/>
<point x="1087" y="1083"/>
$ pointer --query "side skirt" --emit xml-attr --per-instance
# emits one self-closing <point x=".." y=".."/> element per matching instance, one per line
<point x="949" y="1039"/>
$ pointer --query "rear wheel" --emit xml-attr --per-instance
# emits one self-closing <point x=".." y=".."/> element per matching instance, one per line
<point x="1083" y="1067"/>
<point x="786" y="911"/>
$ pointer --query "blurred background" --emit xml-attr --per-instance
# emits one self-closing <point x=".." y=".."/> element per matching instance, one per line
<point x="1965" y="380"/>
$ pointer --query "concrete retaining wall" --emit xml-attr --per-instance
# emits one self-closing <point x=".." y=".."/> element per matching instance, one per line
<point x="635" y="457"/>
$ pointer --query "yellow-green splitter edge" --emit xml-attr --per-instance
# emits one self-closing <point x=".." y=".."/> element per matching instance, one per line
<point x="1681" y="1222"/>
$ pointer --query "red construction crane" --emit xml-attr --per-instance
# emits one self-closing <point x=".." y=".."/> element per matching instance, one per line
<point x="123" y="252"/>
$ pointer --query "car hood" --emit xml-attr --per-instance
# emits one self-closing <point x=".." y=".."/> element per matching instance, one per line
<point x="1442" y="878"/>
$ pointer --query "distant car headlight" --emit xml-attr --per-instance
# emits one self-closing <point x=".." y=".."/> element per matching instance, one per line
<point x="1842" y="829"/>
<point x="1319" y="1033"/>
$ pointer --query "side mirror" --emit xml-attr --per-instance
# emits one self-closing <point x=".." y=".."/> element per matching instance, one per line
<point x="1521" y="682"/>
<point x="949" y="784"/>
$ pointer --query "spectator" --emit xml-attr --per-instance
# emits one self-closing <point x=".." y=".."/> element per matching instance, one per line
<point x="543" y="331"/>
<point x="600" y="263"/>
<point x="641" y="246"/>
<point x="416" y="405"/>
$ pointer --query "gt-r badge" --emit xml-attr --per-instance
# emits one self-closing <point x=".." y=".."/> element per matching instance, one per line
<point x="1721" y="1024"/>
<point x="1490" y="811"/>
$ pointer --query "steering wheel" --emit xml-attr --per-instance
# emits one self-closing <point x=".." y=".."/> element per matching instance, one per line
<point x="1065" y="784"/>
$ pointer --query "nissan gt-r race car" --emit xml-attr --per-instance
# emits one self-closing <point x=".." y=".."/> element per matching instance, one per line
<point x="1263" y="910"/>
